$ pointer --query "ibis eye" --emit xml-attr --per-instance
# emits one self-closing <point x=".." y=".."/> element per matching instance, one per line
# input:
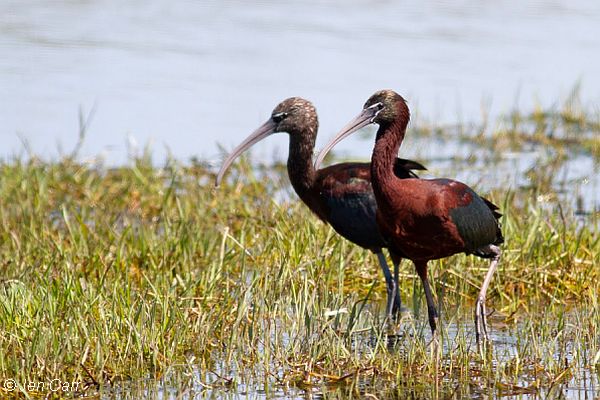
<point x="377" y="106"/>
<point x="277" y="118"/>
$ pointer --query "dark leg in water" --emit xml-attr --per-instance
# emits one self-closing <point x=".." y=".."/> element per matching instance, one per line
<point x="421" y="267"/>
<point x="392" y="290"/>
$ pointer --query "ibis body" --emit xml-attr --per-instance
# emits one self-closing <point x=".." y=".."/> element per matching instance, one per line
<point x="424" y="219"/>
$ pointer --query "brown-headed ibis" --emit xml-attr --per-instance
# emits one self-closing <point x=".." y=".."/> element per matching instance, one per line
<point x="424" y="219"/>
<point x="340" y="195"/>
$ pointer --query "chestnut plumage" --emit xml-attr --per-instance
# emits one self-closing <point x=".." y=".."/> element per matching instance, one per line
<point x="424" y="219"/>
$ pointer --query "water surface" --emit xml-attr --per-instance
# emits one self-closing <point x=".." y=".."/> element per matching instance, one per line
<point x="188" y="75"/>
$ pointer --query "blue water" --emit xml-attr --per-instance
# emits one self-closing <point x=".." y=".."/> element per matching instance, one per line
<point x="185" y="76"/>
<point x="188" y="77"/>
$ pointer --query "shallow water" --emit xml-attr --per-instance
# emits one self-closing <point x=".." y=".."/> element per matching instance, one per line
<point x="575" y="179"/>
<point x="188" y="75"/>
<point x="190" y="382"/>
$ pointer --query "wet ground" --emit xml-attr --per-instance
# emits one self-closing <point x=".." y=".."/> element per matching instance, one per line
<point x="578" y="381"/>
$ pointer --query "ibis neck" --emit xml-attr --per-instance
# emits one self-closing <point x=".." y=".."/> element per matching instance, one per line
<point x="388" y="141"/>
<point x="300" y="166"/>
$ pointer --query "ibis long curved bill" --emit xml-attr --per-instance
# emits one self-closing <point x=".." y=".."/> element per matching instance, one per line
<point x="363" y="119"/>
<point x="341" y="195"/>
<point x="266" y="129"/>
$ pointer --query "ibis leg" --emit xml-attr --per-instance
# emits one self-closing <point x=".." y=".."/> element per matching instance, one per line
<point x="431" y="310"/>
<point x="480" y="311"/>
<point x="397" y="300"/>
<point x="390" y="284"/>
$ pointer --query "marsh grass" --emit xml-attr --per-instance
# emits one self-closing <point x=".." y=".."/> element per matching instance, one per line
<point x="113" y="276"/>
<point x="565" y="128"/>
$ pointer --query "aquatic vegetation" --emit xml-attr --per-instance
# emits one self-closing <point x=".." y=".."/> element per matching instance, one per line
<point x="111" y="276"/>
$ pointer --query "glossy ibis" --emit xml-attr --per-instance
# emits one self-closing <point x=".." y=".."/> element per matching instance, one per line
<point x="341" y="194"/>
<point x="424" y="219"/>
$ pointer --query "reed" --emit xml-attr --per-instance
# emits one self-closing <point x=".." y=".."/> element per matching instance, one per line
<point x="116" y="275"/>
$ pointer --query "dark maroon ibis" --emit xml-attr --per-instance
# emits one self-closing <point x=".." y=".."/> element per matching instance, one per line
<point x="341" y="194"/>
<point x="424" y="219"/>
